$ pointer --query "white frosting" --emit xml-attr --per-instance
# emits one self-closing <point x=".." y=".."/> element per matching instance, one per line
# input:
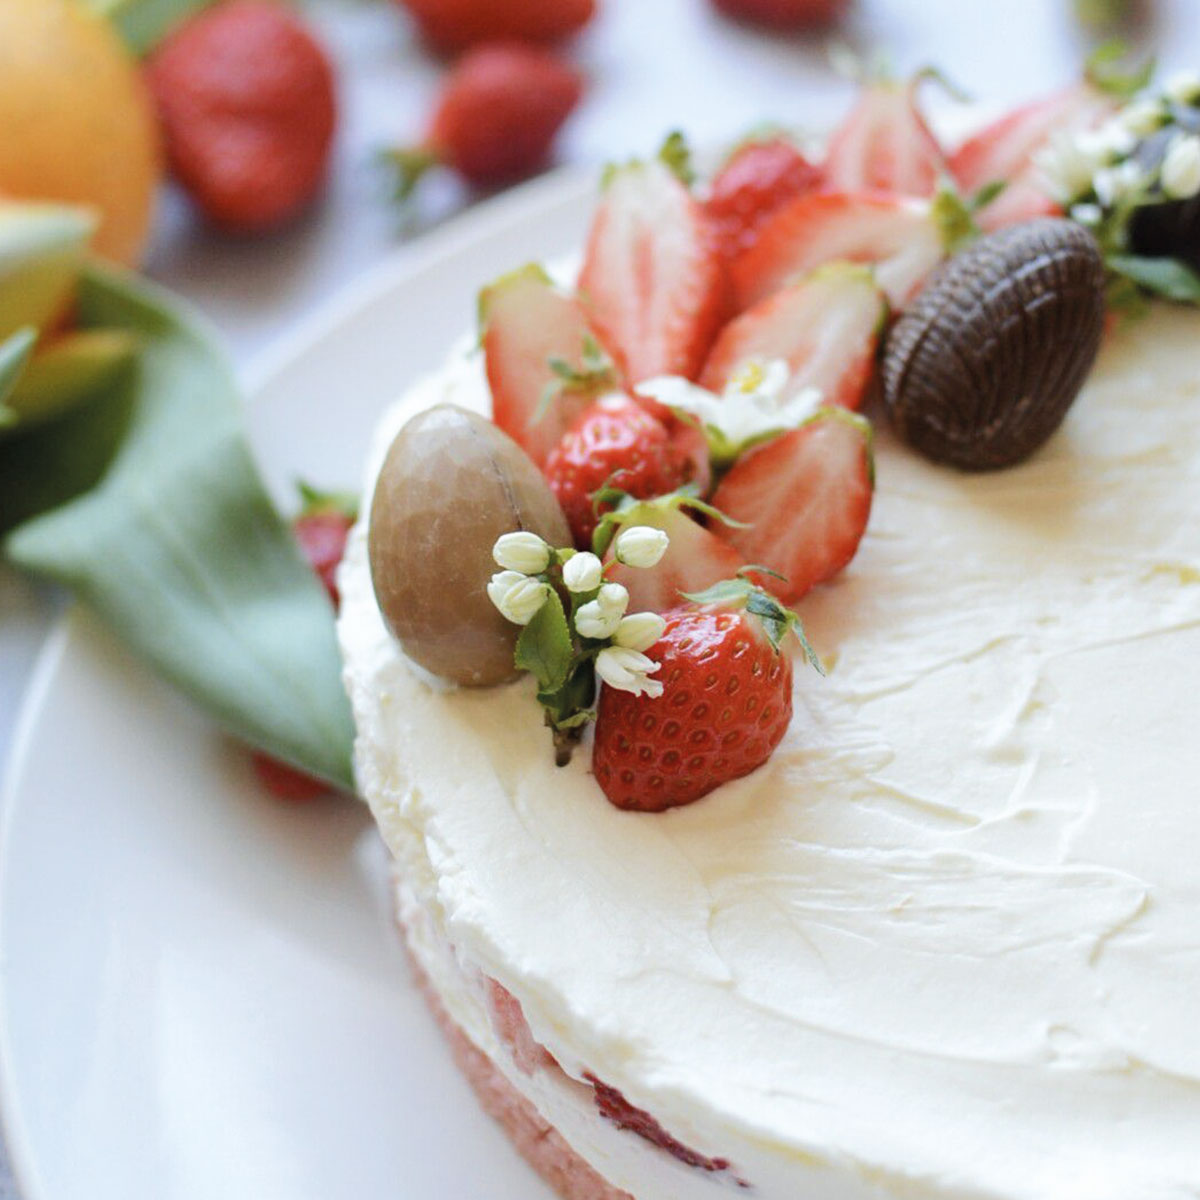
<point x="946" y="943"/>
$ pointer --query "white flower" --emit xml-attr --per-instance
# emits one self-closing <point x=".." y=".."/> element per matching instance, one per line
<point x="582" y="572"/>
<point x="755" y="403"/>
<point x="1087" y="214"/>
<point x="613" y="598"/>
<point x="1181" y="167"/>
<point x="1114" y="139"/>
<point x="639" y="631"/>
<point x="1142" y="116"/>
<point x="641" y="546"/>
<point x="517" y="596"/>
<point x="1067" y="164"/>
<point x="600" y="618"/>
<point x="1122" y="182"/>
<point x="1183" y="87"/>
<point x="628" y="670"/>
<point x="522" y="551"/>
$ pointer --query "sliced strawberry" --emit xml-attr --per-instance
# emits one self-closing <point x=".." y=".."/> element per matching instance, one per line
<point x="653" y="281"/>
<point x="900" y="235"/>
<point x="826" y="327"/>
<point x="884" y="144"/>
<point x="695" y="559"/>
<point x="1005" y="150"/>
<point x="529" y="326"/>
<point x="805" y="498"/>
<point x="759" y="176"/>
<point x="614" y="440"/>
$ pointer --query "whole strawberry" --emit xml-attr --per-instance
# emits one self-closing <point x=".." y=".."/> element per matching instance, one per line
<point x="496" y="117"/>
<point x="725" y="705"/>
<point x="758" y="177"/>
<point x="450" y="26"/>
<point x="246" y="99"/>
<point x="614" y="441"/>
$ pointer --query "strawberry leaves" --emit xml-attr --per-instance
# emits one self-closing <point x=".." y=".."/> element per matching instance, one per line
<point x="776" y="620"/>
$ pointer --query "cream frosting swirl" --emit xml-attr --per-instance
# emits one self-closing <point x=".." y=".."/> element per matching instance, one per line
<point x="946" y="943"/>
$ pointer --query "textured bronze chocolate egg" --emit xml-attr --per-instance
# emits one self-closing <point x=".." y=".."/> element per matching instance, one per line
<point x="983" y="366"/>
<point x="451" y="484"/>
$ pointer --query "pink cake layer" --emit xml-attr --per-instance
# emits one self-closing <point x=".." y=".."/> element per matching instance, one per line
<point x="538" y="1142"/>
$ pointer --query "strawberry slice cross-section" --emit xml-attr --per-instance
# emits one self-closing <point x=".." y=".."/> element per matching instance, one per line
<point x="544" y="364"/>
<point x="826" y="327"/>
<point x="653" y="280"/>
<point x="900" y="235"/>
<point x="885" y="144"/>
<point x="803" y="499"/>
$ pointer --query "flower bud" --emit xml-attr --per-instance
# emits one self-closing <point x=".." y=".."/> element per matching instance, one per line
<point x="641" y="546"/>
<point x="639" y="631"/>
<point x="516" y="596"/>
<point x="613" y="599"/>
<point x="591" y="621"/>
<point x="1181" y="168"/>
<point x="583" y="572"/>
<point x="522" y="551"/>
<point x="628" y="671"/>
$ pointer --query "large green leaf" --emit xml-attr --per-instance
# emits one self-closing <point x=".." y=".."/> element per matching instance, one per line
<point x="177" y="545"/>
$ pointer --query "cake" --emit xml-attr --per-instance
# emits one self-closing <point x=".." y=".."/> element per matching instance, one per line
<point x="944" y="943"/>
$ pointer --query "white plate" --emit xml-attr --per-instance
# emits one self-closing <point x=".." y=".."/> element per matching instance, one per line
<point x="201" y="994"/>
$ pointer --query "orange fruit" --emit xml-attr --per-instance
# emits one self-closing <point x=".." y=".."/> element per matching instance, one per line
<point x="77" y="123"/>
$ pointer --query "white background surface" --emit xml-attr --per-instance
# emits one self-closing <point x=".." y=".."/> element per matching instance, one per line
<point x="653" y="65"/>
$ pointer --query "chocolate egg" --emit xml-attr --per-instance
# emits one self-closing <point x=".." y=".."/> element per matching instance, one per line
<point x="984" y="365"/>
<point x="451" y="484"/>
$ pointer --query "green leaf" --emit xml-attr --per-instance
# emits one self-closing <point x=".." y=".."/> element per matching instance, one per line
<point x="677" y="155"/>
<point x="985" y="195"/>
<point x="144" y="23"/>
<point x="544" y="648"/>
<point x="177" y="545"/>
<point x="14" y="354"/>
<point x="776" y="619"/>
<point x="1166" y="277"/>
<point x="317" y="500"/>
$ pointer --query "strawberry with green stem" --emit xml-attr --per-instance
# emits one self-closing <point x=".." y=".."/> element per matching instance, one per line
<point x="496" y="117"/>
<point x="725" y="700"/>
<point x="613" y="440"/>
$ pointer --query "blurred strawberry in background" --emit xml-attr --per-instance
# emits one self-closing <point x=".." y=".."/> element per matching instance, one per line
<point x="495" y="118"/>
<point x="246" y="98"/>
<point x="785" y="14"/>
<point x="451" y="26"/>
